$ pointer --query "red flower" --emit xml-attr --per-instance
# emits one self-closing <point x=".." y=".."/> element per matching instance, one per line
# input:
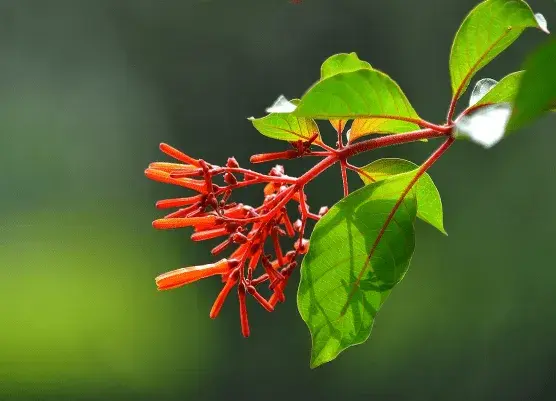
<point x="212" y="215"/>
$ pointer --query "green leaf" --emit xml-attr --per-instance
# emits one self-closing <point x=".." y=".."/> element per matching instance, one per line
<point x="339" y="124"/>
<point x="343" y="62"/>
<point x="429" y="204"/>
<point x="489" y="29"/>
<point x="360" y="94"/>
<point x="342" y="241"/>
<point x="503" y="92"/>
<point x="365" y="126"/>
<point x="286" y="126"/>
<point x="537" y="92"/>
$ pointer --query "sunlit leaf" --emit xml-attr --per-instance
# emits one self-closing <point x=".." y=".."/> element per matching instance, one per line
<point x="343" y="62"/>
<point x="286" y="126"/>
<point x="365" y="126"/>
<point x="429" y="204"/>
<point x="339" y="251"/>
<point x="488" y="30"/>
<point x="360" y="94"/>
<point x="537" y="92"/>
<point x="339" y="124"/>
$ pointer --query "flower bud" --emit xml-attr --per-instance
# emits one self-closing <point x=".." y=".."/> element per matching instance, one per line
<point x="169" y="167"/>
<point x="178" y="202"/>
<point x="232" y="162"/>
<point x="239" y="238"/>
<point x="219" y="302"/>
<point x="303" y="247"/>
<point x="209" y="234"/>
<point x="162" y="176"/>
<point x="277" y="171"/>
<point x="176" y="154"/>
<point x="171" y="223"/>
<point x="230" y="179"/>
<point x="243" y="310"/>
<point x="186" y="275"/>
<point x="264" y="303"/>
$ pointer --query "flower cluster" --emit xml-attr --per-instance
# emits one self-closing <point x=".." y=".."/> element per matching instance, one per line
<point x="212" y="215"/>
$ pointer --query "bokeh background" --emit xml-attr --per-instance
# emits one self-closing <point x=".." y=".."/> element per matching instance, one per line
<point x="88" y="89"/>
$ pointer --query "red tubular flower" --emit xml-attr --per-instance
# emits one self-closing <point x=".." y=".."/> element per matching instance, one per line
<point x="264" y="303"/>
<point x="278" y="295"/>
<point x="176" y="154"/>
<point x="171" y="167"/>
<point x="186" y="212"/>
<point x="178" y="202"/>
<point x="209" y="234"/>
<point x="267" y="157"/>
<point x="277" y="247"/>
<point x="211" y="215"/>
<point x="220" y="247"/>
<point x="219" y="302"/>
<point x="243" y="310"/>
<point x="186" y="275"/>
<point x="165" y="224"/>
<point x="163" y="176"/>
<point x="271" y="269"/>
<point x="288" y="224"/>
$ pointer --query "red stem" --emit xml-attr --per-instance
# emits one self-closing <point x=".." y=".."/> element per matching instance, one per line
<point x="360" y="171"/>
<point x="452" y="109"/>
<point x="390" y="140"/>
<point x="344" y="177"/>
<point x="261" y="177"/>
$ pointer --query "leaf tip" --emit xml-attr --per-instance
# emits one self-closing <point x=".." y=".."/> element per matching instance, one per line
<point x="541" y="22"/>
<point x="281" y="105"/>
<point x="316" y="362"/>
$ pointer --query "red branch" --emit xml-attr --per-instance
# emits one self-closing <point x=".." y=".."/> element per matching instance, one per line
<point x="212" y="215"/>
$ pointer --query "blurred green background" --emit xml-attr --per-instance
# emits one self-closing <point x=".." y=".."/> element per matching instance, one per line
<point x="88" y="89"/>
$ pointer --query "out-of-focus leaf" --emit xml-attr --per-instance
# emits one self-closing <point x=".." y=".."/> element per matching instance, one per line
<point x="537" y="92"/>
